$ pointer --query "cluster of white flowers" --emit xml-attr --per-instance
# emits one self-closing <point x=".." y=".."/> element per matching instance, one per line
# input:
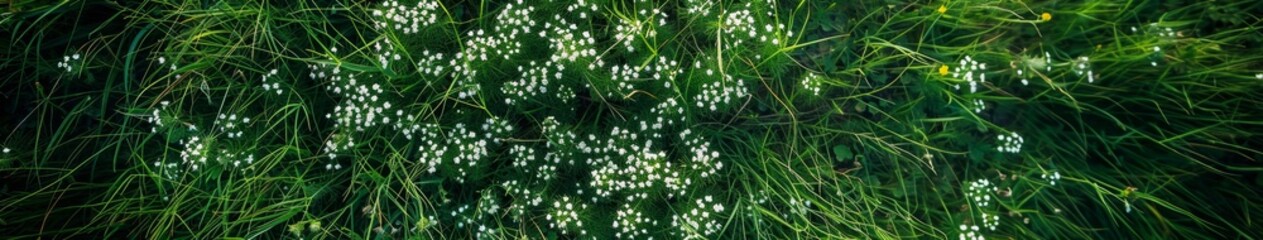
<point x="667" y="113"/>
<point x="501" y="42"/>
<point x="231" y="124"/>
<point x="669" y="109"/>
<point x="1081" y="67"/>
<point x="703" y="160"/>
<point x="980" y="191"/>
<point x="623" y="77"/>
<point x="524" y="196"/>
<point x="195" y="152"/>
<point x="537" y="79"/>
<point x="1010" y="143"/>
<point x="990" y="221"/>
<point x="568" y="41"/>
<point x="1052" y="178"/>
<point x="626" y="76"/>
<point x="471" y="146"/>
<point x="408" y="19"/>
<point x="703" y="219"/>
<point x="69" y="62"/>
<point x="699" y="7"/>
<point x="966" y="70"/>
<point x="979" y="194"/>
<point x="630" y="223"/>
<point x="720" y="94"/>
<point x="640" y="171"/>
<point x="623" y="163"/>
<point x="739" y="26"/>
<point x="813" y="82"/>
<point x="524" y="158"/>
<point x="270" y="84"/>
<point x="627" y="165"/>
<point x="970" y="232"/>
<point x="363" y="106"/>
<point x="432" y="64"/>
<point x="560" y="142"/>
<point x="641" y="24"/>
<point x="431" y="151"/>
<point x="386" y="53"/>
<point x="156" y="117"/>
<point x="565" y="216"/>
<point x="578" y="8"/>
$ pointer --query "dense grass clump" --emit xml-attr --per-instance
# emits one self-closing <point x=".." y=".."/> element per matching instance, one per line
<point x="597" y="119"/>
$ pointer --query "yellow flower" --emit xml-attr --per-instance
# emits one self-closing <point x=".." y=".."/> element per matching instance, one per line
<point x="942" y="8"/>
<point x="1046" y="16"/>
<point x="942" y="71"/>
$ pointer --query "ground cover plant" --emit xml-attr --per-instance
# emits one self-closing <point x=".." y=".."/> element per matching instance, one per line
<point x="631" y="119"/>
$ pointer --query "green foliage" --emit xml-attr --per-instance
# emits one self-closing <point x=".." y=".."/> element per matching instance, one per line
<point x="420" y="119"/>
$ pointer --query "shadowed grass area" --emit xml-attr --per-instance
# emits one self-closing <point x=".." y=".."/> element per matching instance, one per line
<point x="597" y="119"/>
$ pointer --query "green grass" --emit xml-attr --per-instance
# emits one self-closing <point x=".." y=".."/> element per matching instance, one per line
<point x="770" y="120"/>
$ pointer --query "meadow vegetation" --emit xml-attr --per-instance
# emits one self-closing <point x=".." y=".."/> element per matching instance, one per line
<point x="631" y="119"/>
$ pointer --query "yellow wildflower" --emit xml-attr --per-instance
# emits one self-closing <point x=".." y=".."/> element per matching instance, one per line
<point x="942" y="8"/>
<point x="1046" y="16"/>
<point x="942" y="71"/>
